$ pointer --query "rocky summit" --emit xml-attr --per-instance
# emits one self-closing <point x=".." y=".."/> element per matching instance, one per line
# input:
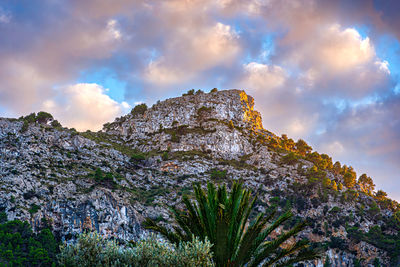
<point x="110" y="180"/>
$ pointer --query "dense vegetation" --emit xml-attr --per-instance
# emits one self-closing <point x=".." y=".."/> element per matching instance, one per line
<point x="93" y="250"/>
<point x="19" y="246"/>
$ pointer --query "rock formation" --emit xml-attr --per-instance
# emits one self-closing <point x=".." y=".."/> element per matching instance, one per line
<point x="110" y="180"/>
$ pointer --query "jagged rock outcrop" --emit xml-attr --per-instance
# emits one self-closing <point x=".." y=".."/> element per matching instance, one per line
<point x="110" y="180"/>
<point x="218" y="122"/>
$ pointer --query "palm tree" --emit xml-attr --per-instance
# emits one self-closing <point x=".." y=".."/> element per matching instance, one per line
<point x="223" y="218"/>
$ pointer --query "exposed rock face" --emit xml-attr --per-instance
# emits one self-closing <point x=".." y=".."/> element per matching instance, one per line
<point x="40" y="168"/>
<point x="48" y="172"/>
<point x="216" y="122"/>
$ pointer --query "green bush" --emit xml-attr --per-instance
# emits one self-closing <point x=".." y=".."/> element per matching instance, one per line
<point x="290" y="158"/>
<point x="30" y="118"/>
<point x="139" y="109"/>
<point x="24" y="127"/>
<point x="164" y="156"/>
<point x="103" y="178"/>
<point x="56" y="124"/>
<point x="218" y="174"/>
<point x="136" y="157"/>
<point x="190" y="92"/>
<point x="91" y="249"/>
<point x="34" y="208"/>
<point x="43" y="117"/>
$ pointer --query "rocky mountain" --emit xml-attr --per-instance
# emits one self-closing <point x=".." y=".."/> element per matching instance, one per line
<point x="111" y="180"/>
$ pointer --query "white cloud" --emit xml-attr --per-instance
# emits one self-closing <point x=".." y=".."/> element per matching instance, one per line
<point x="383" y="66"/>
<point x="343" y="49"/>
<point x="336" y="62"/>
<point x="125" y="105"/>
<point x="4" y="16"/>
<point x="199" y="47"/>
<point x="113" y="29"/>
<point x="334" y="148"/>
<point x="84" y="106"/>
<point x="332" y="49"/>
<point x="263" y="77"/>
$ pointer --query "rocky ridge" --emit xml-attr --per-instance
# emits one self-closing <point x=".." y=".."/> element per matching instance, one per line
<point x="110" y="180"/>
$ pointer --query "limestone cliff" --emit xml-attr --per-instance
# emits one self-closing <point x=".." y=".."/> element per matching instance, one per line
<point x="219" y="122"/>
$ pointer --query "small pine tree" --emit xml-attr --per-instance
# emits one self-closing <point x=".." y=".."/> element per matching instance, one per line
<point x="350" y="178"/>
<point x="327" y="262"/>
<point x="302" y="147"/>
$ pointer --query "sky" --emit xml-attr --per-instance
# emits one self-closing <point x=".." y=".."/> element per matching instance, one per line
<point x="324" y="71"/>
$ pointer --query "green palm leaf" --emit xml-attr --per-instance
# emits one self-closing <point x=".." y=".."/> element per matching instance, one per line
<point x="223" y="218"/>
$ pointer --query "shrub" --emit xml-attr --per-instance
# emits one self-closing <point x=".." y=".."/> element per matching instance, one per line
<point x="214" y="90"/>
<point x="34" y="208"/>
<point x="380" y="195"/>
<point x="337" y="242"/>
<point x="302" y="147"/>
<point x="98" y="175"/>
<point x="218" y="174"/>
<point x="203" y="111"/>
<point x="326" y="182"/>
<point x="103" y="178"/>
<point x="56" y="124"/>
<point x="24" y="127"/>
<point x="136" y="157"/>
<point x="30" y="118"/>
<point x="93" y="250"/>
<point x="190" y="92"/>
<point x="164" y="156"/>
<point x="290" y="158"/>
<point x="43" y="117"/>
<point x="139" y="109"/>
<point x="335" y="210"/>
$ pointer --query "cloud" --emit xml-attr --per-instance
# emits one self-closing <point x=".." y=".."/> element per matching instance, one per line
<point x="367" y="136"/>
<point x="54" y="55"/>
<point x="84" y="106"/>
<point x="337" y="62"/>
<point x="5" y="17"/>
<point x="261" y="76"/>
<point x="284" y="108"/>
<point x="198" y="49"/>
<point x="373" y="128"/>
